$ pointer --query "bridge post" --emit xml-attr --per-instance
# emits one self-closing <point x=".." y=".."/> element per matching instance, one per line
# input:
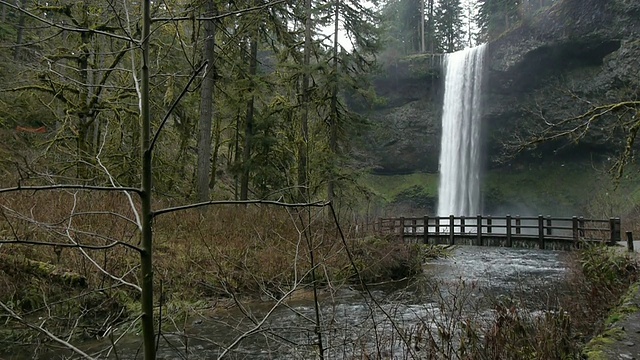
<point x="437" y="225"/>
<point x="518" y="223"/>
<point x="479" y="230"/>
<point x="414" y="230"/>
<point x="488" y="224"/>
<point x="462" y="230"/>
<point x="581" y="226"/>
<point x="541" y="232"/>
<point x="508" y="224"/>
<point x="614" y="226"/>
<point x="576" y="234"/>
<point x="451" y="230"/>
<point x="549" y="225"/>
<point x="509" y="240"/>
<point x="402" y="229"/>
<point x="426" y="229"/>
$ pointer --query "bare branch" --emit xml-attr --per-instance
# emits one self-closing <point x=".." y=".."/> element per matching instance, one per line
<point x="70" y="187"/>
<point x="238" y="202"/>
<point x="258" y="325"/>
<point x="175" y="103"/>
<point x="577" y="127"/>
<point x="217" y="17"/>
<point x="83" y="213"/>
<point x="67" y="245"/>
<point x="46" y="332"/>
<point x="112" y="180"/>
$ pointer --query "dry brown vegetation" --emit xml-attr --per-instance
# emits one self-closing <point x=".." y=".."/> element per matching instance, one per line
<point x="200" y="256"/>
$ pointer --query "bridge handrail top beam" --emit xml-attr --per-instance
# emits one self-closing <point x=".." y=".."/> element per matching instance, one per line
<point x="546" y="217"/>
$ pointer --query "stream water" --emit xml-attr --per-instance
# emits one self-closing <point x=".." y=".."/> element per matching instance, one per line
<point x="354" y="323"/>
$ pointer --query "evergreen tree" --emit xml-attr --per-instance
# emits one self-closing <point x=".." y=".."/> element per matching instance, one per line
<point x="496" y="16"/>
<point x="349" y="69"/>
<point x="402" y="21"/>
<point x="450" y="25"/>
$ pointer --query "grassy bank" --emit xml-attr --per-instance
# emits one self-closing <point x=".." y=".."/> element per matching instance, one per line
<point x="463" y="325"/>
<point x="553" y="189"/>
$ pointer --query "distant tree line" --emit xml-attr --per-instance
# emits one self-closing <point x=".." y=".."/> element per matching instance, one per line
<point x="443" y="26"/>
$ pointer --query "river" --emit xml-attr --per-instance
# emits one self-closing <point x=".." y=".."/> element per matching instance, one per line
<point x="382" y="323"/>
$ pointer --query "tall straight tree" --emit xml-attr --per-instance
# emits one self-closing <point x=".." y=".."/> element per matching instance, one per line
<point x="349" y="69"/>
<point x="449" y="25"/>
<point x="431" y="32"/>
<point x="303" y="147"/>
<point x="249" y="116"/>
<point x="206" y="106"/>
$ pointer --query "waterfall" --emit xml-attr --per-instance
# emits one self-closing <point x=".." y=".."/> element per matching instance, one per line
<point x="459" y="191"/>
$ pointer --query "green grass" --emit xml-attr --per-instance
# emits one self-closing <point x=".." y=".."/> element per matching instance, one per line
<point x="553" y="189"/>
<point x="559" y="189"/>
<point x="388" y="187"/>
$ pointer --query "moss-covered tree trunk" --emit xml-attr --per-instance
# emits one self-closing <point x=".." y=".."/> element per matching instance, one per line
<point x="249" y="119"/>
<point x="206" y="108"/>
<point x="146" y="255"/>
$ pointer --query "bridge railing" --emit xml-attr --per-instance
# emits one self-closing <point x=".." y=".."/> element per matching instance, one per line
<point x="541" y="228"/>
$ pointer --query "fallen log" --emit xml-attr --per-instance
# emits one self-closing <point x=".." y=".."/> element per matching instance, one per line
<point x="14" y="265"/>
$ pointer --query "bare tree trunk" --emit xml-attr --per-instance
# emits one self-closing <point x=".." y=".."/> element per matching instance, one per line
<point x="216" y="150"/>
<point x="206" y="107"/>
<point x="469" y="16"/>
<point x="423" y="46"/>
<point x="303" y="149"/>
<point x="333" y="122"/>
<point x="84" y="137"/>
<point x="236" y="158"/>
<point x="431" y="28"/>
<point x="248" y="126"/>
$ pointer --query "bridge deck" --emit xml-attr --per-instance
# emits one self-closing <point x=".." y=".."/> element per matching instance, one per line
<point x="510" y="231"/>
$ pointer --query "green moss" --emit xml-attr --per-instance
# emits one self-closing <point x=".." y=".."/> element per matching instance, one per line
<point x="595" y="347"/>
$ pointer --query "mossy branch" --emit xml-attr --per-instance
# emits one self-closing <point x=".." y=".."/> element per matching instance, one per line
<point x="578" y="127"/>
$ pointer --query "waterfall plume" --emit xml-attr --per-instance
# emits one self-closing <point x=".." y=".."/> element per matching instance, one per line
<point x="459" y="189"/>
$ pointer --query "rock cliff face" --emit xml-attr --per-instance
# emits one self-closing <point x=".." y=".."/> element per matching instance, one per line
<point x="555" y="65"/>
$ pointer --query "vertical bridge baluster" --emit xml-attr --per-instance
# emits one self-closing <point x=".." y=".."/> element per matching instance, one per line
<point x="508" y="225"/>
<point x="451" y="230"/>
<point x="479" y="230"/>
<point x="426" y="229"/>
<point x="574" y="230"/>
<point x="541" y="232"/>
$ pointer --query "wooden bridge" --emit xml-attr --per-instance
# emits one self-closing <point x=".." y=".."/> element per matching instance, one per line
<point x="542" y="232"/>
